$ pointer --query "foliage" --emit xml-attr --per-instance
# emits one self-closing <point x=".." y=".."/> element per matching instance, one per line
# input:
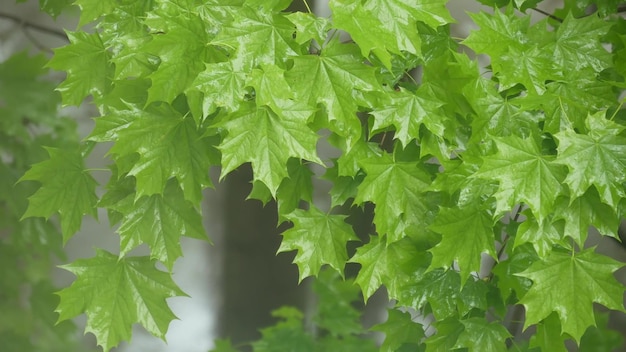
<point x="462" y="159"/>
<point x="28" y="248"/>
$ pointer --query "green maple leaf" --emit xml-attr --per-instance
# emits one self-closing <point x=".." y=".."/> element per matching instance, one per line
<point x="440" y="288"/>
<point x="569" y="284"/>
<point x="542" y="236"/>
<point x="585" y="211"/>
<point x="407" y="112"/>
<point x="259" y="36"/>
<point x="336" y="312"/>
<point x="518" y="260"/>
<point x="448" y="331"/>
<point x="309" y="26"/>
<point x="398" y="191"/>
<point x="86" y="62"/>
<point x="319" y="238"/>
<point x="498" y="33"/>
<point x="578" y="93"/>
<point x="399" y="330"/>
<point x="259" y="136"/>
<point x="66" y="188"/>
<point x="496" y="115"/>
<point x="222" y="85"/>
<point x="524" y="175"/>
<point x="531" y="67"/>
<point x="158" y="220"/>
<point x="330" y="79"/>
<point x="480" y="335"/>
<point x="549" y="336"/>
<point x="577" y="45"/>
<point x="270" y="86"/>
<point x="90" y="10"/>
<point x="181" y="44"/>
<point x="598" y="159"/>
<point x="360" y="19"/>
<point x="168" y="144"/>
<point x="466" y="233"/>
<point x="115" y="293"/>
<point x="392" y="264"/>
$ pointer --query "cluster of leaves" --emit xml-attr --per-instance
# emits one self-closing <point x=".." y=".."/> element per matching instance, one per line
<point x="28" y="120"/>
<point x="514" y="161"/>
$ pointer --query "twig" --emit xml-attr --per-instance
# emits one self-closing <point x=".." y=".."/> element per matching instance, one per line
<point x="35" y="26"/>
<point x="547" y="14"/>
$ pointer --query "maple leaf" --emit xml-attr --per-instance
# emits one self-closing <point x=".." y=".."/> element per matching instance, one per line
<point x="525" y="175"/>
<point x="518" y="260"/>
<point x="407" y="112"/>
<point x="309" y="26"/>
<point x="549" y="336"/>
<point x="569" y="284"/>
<point x="268" y="146"/>
<point x="440" y="288"/>
<point x="168" y="144"/>
<point x="158" y="220"/>
<point x="222" y="85"/>
<point x="398" y="191"/>
<point x="400" y="330"/>
<point x="330" y="79"/>
<point x="86" y="62"/>
<point x="319" y="238"/>
<point x="180" y="43"/>
<point x="479" y="334"/>
<point x="543" y="236"/>
<point x="585" y="211"/>
<point x="576" y="46"/>
<point x="259" y="36"/>
<point x="499" y="32"/>
<point x="66" y="188"/>
<point x="270" y="86"/>
<point x="115" y="293"/>
<point x="91" y="10"/>
<point x="531" y="67"/>
<point x="598" y="159"/>
<point x="394" y="264"/>
<point x="466" y="233"/>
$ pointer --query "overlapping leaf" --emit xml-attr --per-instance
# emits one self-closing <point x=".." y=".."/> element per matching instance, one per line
<point x="158" y="220"/>
<point x="525" y="175"/>
<point x="569" y="284"/>
<point x="115" y="293"/>
<point x="398" y="191"/>
<point x="268" y="146"/>
<point x="168" y="144"/>
<point x="319" y="238"/>
<point x="66" y="188"/>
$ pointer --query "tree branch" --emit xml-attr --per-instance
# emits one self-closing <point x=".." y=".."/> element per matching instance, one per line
<point x="24" y="23"/>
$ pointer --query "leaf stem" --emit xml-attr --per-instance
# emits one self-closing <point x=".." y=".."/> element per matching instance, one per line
<point x="547" y="14"/>
<point x="308" y="8"/>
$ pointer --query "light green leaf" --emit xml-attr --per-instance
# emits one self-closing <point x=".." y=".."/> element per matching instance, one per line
<point x="115" y="293"/>
<point x="548" y="336"/>
<point x="466" y="233"/>
<point x="309" y="26"/>
<point x="398" y="191"/>
<point x="91" y="10"/>
<point x="448" y="332"/>
<point x="597" y="159"/>
<point x="85" y="60"/>
<point x="399" y="330"/>
<point x="439" y="288"/>
<point x="393" y="265"/>
<point x="259" y="136"/>
<point x="542" y="236"/>
<point x="330" y="79"/>
<point x="158" y="220"/>
<point x="168" y="144"/>
<point x="222" y="85"/>
<point x="66" y="188"/>
<point x="580" y="279"/>
<point x="407" y="112"/>
<point x="525" y="175"/>
<point x="259" y="36"/>
<point x="481" y="335"/>
<point x="319" y="238"/>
